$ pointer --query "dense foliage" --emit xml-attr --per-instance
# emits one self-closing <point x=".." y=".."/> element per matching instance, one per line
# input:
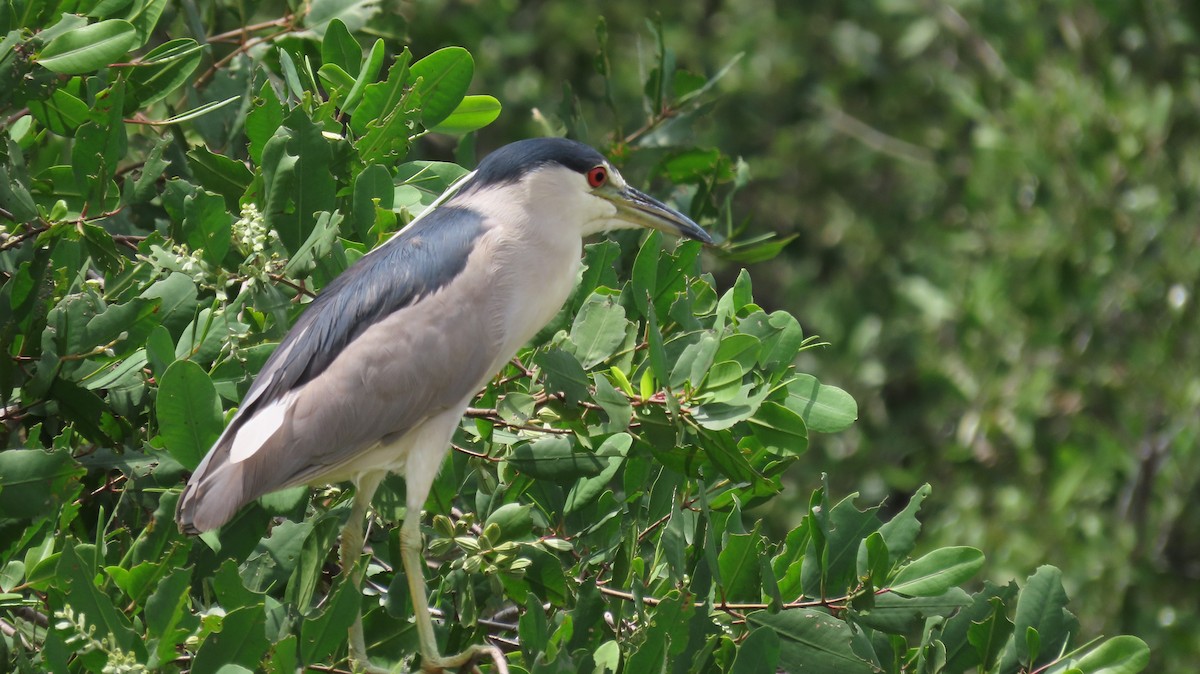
<point x="176" y="184"/>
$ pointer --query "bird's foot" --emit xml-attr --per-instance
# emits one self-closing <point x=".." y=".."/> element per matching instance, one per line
<point x="361" y="665"/>
<point x="439" y="664"/>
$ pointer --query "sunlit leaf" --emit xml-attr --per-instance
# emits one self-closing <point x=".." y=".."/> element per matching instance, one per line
<point x="937" y="572"/>
<point x="189" y="415"/>
<point x="443" y="78"/>
<point x="473" y="113"/>
<point x="825" y="409"/>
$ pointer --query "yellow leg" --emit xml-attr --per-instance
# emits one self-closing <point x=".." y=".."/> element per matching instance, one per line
<point x="414" y="568"/>
<point x="351" y="552"/>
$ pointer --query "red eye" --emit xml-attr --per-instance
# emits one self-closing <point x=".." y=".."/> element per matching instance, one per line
<point x="597" y="176"/>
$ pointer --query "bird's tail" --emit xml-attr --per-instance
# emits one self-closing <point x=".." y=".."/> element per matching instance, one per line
<point x="215" y="491"/>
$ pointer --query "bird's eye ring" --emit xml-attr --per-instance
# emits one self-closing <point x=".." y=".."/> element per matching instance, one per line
<point x="597" y="176"/>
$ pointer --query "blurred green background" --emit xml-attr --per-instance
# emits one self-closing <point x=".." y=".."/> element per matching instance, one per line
<point x="995" y="211"/>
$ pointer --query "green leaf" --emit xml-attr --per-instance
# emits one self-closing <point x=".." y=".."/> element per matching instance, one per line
<point x="241" y="641"/>
<point x="209" y="225"/>
<point x="938" y="571"/>
<point x="320" y="636"/>
<point x="534" y="630"/>
<point x="473" y="113"/>
<point x="724" y="381"/>
<point x="758" y="653"/>
<point x="164" y="69"/>
<point x="587" y="490"/>
<point x="812" y="641"/>
<point x="386" y="137"/>
<point x="645" y="272"/>
<point x="598" y="260"/>
<point x="75" y="573"/>
<point x="206" y="336"/>
<point x="740" y="348"/>
<point x="61" y="112"/>
<point x="189" y="415"/>
<point x="988" y="636"/>
<point x="381" y="102"/>
<point x="444" y="77"/>
<point x="167" y="613"/>
<point x="372" y="187"/>
<point x="1118" y="655"/>
<point x="735" y="299"/>
<point x="614" y="403"/>
<point x="658" y="354"/>
<point x="320" y="249"/>
<point x="844" y="528"/>
<point x="420" y="183"/>
<point x="335" y="79"/>
<point x="900" y="532"/>
<point x="780" y="335"/>
<point x="556" y="459"/>
<point x="370" y="69"/>
<point x="740" y="577"/>
<point x="779" y="428"/>
<point x="198" y="111"/>
<point x="98" y="148"/>
<point x="598" y="330"/>
<point x="825" y="409"/>
<point x="516" y="407"/>
<point x="86" y="411"/>
<point x="89" y="48"/>
<point x="720" y="416"/>
<point x="515" y="521"/>
<point x="758" y="249"/>
<point x="563" y="373"/>
<point x="296" y="179"/>
<point x="220" y="174"/>
<point x="896" y="614"/>
<point x="666" y="635"/>
<point x="34" y="482"/>
<point x="144" y="186"/>
<point x="263" y="120"/>
<point x="339" y="48"/>
<point x="874" y="562"/>
<point x="354" y="13"/>
<point x="1041" y="606"/>
<point x="144" y="16"/>
<point x="692" y="165"/>
<point x="177" y="297"/>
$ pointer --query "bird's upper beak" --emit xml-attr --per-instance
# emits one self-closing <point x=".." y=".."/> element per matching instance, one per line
<point x="639" y="208"/>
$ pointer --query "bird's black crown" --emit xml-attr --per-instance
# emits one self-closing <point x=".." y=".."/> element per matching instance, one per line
<point x="511" y="162"/>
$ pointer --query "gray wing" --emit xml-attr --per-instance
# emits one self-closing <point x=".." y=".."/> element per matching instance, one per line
<point x="360" y="366"/>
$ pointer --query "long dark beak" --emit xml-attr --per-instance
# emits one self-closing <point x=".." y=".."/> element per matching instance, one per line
<point x="641" y="209"/>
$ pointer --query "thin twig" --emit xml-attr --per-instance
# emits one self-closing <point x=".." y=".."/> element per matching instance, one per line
<point x="242" y="48"/>
<point x="984" y="51"/>
<point x="17" y="239"/>
<point x="278" y="278"/>
<point x="732" y="607"/>
<point x="11" y="631"/>
<point x="128" y="240"/>
<point x="242" y="32"/>
<point x="876" y="139"/>
<point x="493" y="415"/>
<point x="477" y="455"/>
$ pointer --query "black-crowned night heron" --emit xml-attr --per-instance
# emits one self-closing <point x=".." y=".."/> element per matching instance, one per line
<point x="376" y="374"/>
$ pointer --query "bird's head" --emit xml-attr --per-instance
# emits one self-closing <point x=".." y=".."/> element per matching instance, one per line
<point x="571" y="183"/>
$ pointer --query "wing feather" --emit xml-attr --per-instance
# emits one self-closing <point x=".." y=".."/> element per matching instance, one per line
<point x="303" y="417"/>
